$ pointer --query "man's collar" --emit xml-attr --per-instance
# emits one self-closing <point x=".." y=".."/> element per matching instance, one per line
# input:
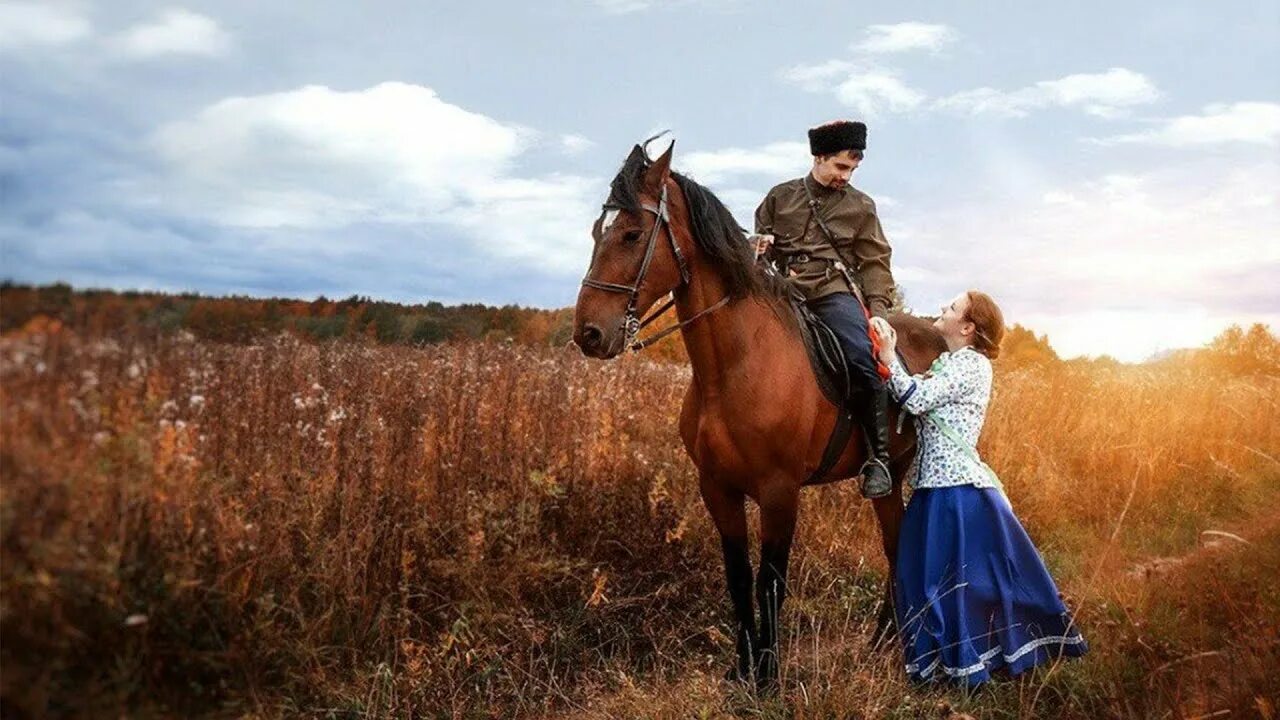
<point x="818" y="188"/>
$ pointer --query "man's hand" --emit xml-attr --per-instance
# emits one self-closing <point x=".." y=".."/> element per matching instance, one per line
<point x="762" y="243"/>
<point x="888" y="338"/>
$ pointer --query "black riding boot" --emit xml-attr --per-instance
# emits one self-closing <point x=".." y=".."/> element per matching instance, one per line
<point x="876" y="480"/>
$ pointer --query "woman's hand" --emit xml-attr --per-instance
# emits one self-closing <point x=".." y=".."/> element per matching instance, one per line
<point x="888" y="338"/>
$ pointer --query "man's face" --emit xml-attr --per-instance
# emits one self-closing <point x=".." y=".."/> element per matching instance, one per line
<point x="834" y="170"/>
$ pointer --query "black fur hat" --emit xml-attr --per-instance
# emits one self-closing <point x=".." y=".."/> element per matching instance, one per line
<point x="830" y="138"/>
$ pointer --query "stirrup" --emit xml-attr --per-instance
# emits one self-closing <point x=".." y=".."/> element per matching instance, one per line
<point x="881" y="485"/>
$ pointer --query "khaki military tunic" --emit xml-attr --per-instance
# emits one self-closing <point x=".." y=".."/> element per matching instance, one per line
<point x="800" y="245"/>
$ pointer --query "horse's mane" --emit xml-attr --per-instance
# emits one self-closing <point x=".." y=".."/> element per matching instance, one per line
<point x="715" y="231"/>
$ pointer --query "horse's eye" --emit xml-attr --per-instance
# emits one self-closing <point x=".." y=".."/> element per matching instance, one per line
<point x="631" y="236"/>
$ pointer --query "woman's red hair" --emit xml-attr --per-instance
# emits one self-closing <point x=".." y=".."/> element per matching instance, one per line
<point x="988" y="323"/>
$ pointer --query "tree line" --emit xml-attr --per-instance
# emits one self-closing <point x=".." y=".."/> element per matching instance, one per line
<point x="242" y="319"/>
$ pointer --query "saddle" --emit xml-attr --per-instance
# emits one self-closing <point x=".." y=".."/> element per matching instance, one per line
<point x="829" y="366"/>
<point x="825" y="354"/>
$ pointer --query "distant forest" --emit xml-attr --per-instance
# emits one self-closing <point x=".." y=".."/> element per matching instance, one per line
<point x="239" y="319"/>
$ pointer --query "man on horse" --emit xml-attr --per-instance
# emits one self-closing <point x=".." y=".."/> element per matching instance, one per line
<point x="826" y="237"/>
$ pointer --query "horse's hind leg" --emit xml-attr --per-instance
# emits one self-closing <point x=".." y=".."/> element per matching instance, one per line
<point x="729" y="515"/>
<point x="889" y="513"/>
<point x="778" y="507"/>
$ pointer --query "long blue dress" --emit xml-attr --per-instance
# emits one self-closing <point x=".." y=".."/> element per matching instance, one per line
<point x="972" y="593"/>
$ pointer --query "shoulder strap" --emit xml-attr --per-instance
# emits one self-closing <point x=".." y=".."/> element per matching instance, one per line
<point x="951" y="434"/>
<point x="843" y="266"/>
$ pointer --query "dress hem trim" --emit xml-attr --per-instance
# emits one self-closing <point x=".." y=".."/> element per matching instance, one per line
<point x="988" y="655"/>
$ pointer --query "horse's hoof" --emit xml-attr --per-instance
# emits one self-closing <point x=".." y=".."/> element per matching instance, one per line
<point x="883" y="637"/>
<point x="737" y="675"/>
<point x="766" y="686"/>
<point x="886" y="629"/>
<point x="767" y="676"/>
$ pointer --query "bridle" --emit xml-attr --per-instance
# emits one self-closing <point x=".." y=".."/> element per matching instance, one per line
<point x="632" y="324"/>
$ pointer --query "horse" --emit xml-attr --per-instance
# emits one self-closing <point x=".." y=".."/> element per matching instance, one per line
<point x="754" y="420"/>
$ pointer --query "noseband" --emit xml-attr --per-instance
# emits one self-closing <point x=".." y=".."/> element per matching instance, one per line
<point x="632" y="323"/>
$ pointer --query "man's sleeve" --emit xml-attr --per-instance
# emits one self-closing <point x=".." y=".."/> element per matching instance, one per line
<point x="764" y="215"/>
<point x="764" y="226"/>
<point x="871" y="250"/>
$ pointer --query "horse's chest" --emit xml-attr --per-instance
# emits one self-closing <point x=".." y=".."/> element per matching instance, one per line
<point x="718" y="442"/>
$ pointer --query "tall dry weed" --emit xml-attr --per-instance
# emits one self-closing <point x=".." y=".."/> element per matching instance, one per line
<point x="481" y="530"/>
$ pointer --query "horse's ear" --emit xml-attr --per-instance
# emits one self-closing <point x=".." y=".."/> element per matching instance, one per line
<point x="637" y="156"/>
<point x="657" y="173"/>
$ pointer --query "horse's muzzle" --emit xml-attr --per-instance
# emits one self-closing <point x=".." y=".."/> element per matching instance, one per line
<point x="597" y="343"/>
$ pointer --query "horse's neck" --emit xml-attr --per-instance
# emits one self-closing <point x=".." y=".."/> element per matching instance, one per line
<point x="719" y="342"/>
<point x="711" y="340"/>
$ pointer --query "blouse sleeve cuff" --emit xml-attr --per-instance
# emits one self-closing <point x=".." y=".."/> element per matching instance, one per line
<point x="900" y="381"/>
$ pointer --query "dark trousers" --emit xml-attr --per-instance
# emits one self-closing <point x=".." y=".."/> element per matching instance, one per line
<point x="844" y="314"/>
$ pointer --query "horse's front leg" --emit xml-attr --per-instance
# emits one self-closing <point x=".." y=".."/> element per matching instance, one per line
<point x="728" y="512"/>
<point x="889" y="513"/>
<point x="779" y="503"/>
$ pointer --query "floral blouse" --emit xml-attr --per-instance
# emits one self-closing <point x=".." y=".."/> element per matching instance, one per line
<point x="956" y="390"/>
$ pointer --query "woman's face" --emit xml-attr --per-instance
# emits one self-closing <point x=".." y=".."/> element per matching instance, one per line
<point x="952" y="323"/>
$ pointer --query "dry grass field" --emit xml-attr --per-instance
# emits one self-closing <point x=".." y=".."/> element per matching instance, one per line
<point x="480" y="530"/>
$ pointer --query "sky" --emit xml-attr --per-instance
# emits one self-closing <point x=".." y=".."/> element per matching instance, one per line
<point x="1108" y="171"/>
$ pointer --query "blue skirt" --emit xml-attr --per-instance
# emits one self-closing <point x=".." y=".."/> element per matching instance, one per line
<point x="972" y="593"/>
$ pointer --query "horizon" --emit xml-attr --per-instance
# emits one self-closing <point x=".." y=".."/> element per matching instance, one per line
<point x="1107" y="187"/>
<point x="1155" y="356"/>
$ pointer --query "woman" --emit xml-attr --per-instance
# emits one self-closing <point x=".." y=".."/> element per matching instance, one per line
<point x="972" y="594"/>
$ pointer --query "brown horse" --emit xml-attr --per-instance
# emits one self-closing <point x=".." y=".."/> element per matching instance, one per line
<point x="754" y="419"/>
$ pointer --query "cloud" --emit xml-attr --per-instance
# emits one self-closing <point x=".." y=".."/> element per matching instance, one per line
<point x="1059" y="197"/>
<point x="905" y="36"/>
<point x="1125" y="263"/>
<point x="873" y="93"/>
<point x="30" y="24"/>
<point x="873" y="89"/>
<point x="626" y="7"/>
<point x="575" y="144"/>
<point x="775" y="160"/>
<point x="391" y="154"/>
<point x="623" y="7"/>
<point x="818" y="78"/>
<point x="862" y="84"/>
<point x="175" y="32"/>
<point x="741" y="176"/>
<point x="1106" y="94"/>
<point x="742" y="203"/>
<point x="316" y="156"/>
<point x="114" y="249"/>
<point x="1243" y="122"/>
<point x="98" y="250"/>
<point x="870" y="90"/>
